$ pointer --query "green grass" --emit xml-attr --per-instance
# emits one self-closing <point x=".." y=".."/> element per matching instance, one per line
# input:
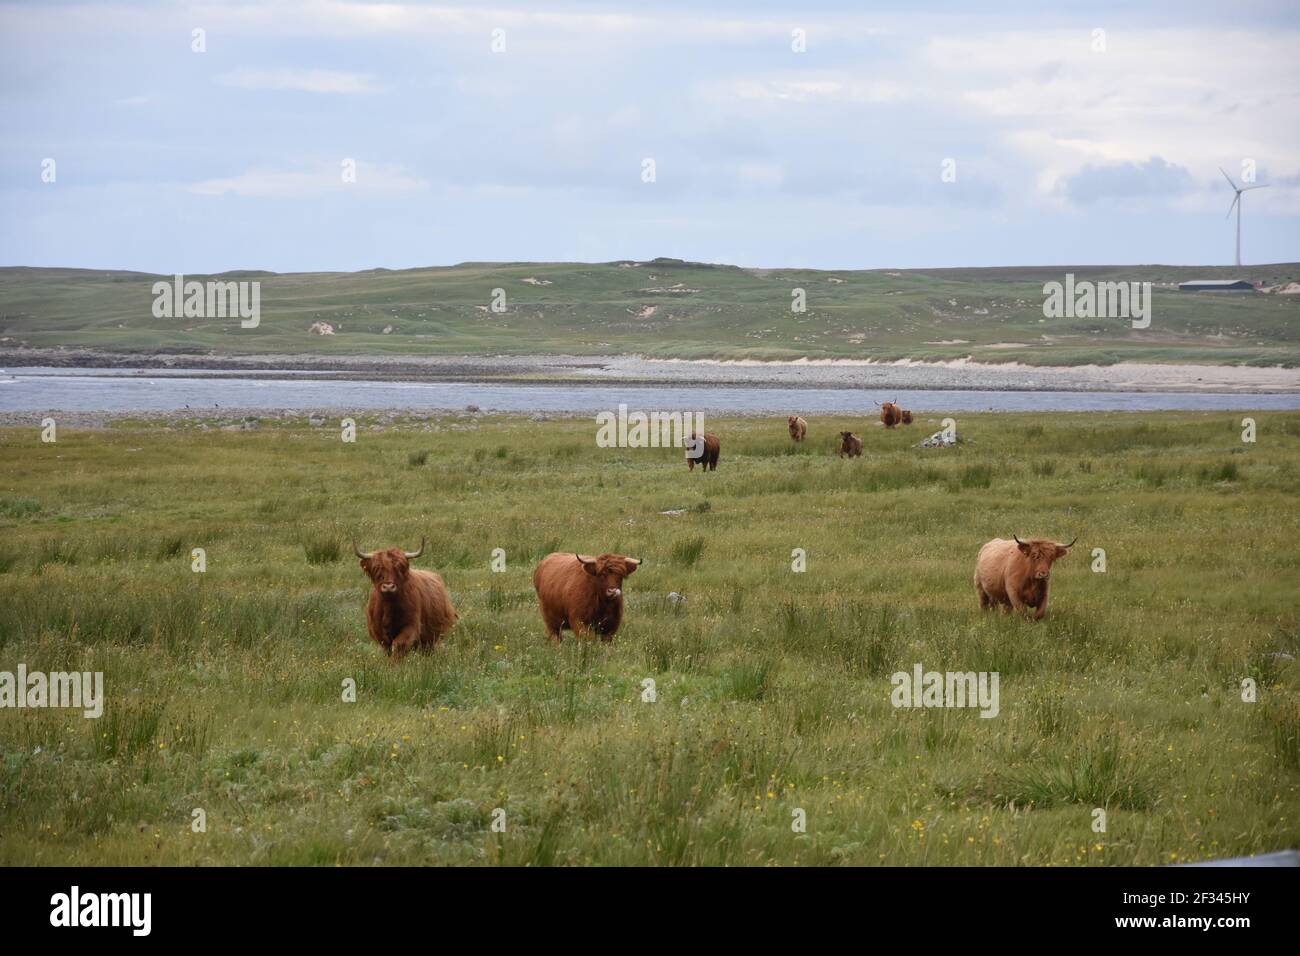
<point x="670" y="309"/>
<point x="224" y="690"/>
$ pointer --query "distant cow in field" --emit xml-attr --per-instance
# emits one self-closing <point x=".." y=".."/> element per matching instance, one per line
<point x="582" y="593"/>
<point x="408" y="608"/>
<point x="798" y="428"/>
<point x="850" y="445"/>
<point x="706" y="452"/>
<point x="1014" y="574"/>
<point x="907" y="416"/>
<point x="890" y="414"/>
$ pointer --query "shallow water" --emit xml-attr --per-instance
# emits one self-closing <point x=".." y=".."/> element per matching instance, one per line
<point x="125" y="390"/>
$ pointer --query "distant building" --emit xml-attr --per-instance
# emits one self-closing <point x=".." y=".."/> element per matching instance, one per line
<point x="1216" y="285"/>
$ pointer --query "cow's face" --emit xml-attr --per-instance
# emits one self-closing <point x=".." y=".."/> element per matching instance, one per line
<point x="846" y="439"/>
<point x="609" y="570"/>
<point x="1040" y="554"/>
<point x="387" y="569"/>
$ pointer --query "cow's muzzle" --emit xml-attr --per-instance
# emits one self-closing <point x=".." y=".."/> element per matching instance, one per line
<point x="613" y="592"/>
<point x="388" y="588"/>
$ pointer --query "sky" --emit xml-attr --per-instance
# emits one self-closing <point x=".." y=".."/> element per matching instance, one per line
<point x="322" y="135"/>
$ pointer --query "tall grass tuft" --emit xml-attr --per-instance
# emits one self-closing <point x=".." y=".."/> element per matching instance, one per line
<point x="322" y="549"/>
<point x="688" y="551"/>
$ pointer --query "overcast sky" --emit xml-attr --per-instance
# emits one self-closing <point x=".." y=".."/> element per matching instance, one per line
<point x="1069" y="146"/>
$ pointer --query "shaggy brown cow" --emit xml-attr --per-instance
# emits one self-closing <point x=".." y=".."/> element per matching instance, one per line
<point x="408" y="608"/>
<point x="798" y="427"/>
<point x="850" y="445"/>
<point x="1014" y="574"/>
<point x="582" y="593"/>
<point x="907" y="416"/>
<point x="706" y="455"/>
<point x="890" y="414"/>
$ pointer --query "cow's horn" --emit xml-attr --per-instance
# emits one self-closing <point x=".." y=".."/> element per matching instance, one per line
<point x="360" y="554"/>
<point x="1071" y="544"/>
<point x="1018" y="541"/>
<point x="419" y="551"/>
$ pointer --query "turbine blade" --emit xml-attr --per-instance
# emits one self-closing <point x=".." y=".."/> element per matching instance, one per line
<point x="1260" y="186"/>
<point x="1229" y="179"/>
<point x="1235" y="199"/>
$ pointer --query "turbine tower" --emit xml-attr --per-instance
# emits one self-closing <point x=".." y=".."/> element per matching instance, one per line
<point x="1236" y="201"/>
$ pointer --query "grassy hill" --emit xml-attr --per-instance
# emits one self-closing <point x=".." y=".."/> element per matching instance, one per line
<point x="668" y="308"/>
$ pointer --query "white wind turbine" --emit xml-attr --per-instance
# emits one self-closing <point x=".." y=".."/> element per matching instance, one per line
<point x="1236" y="201"/>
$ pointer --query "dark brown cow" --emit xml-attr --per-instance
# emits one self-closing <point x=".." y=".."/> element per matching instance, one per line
<point x="798" y="427"/>
<point x="1014" y="574"/>
<point x="890" y="414"/>
<point x="408" y="608"/>
<point x="707" y="455"/>
<point x="907" y="416"/>
<point x="850" y="445"/>
<point x="581" y="593"/>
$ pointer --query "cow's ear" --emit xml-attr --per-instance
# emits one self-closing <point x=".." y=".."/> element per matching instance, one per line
<point x="1061" y="551"/>
<point x="633" y="564"/>
<point x="588" y="562"/>
<point x="1024" y="546"/>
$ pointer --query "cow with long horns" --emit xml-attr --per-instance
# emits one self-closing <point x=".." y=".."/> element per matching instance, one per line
<point x="1013" y="574"/>
<point x="890" y="414"/>
<point x="408" y="608"/>
<point x="582" y="593"/>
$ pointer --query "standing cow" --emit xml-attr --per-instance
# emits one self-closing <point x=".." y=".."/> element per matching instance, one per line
<point x="408" y="608"/>
<point x="1014" y="574"/>
<point x="907" y="416"/>
<point x="582" y="593"/>
<point x="798" y="427"/>
<point x="850" y="445"/>
<point x="890" y="414"/>
<point x="705" y="452"/>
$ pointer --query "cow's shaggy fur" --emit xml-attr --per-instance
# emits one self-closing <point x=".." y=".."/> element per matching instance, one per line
<point x="408" y="608"/>
<point x="890" y="414"/>
<point x="1015" y="574"/>
<point x="850" y="445"/>
<point x="798" y="427"/>
<point x="581" y="593"/>
<point x="708" y="456"/>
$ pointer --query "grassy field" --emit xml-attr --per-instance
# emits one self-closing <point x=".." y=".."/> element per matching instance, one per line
<point x="671" y="309"/>
<point x="224" y="689"/>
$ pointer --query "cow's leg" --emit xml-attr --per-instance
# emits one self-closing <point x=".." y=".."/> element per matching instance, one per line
<point x="404" y="641"/>
<point x="986" y="602"/>
<point x="553" y="627"/>
<point x="1042" y="605"/>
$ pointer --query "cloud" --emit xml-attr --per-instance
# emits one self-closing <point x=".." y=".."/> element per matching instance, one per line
<point x="318" y="181"/>
<point x="308" y="81"/>
<point x="1155" y="178"/>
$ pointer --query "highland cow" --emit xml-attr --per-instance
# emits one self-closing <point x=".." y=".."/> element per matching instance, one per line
<point x="890" y="414"/>
<point x="581" y="593"/>
<point x="705" y="452"/>
<point x="798" y="427"/>
<point x="1014" y="574"/>
<point x="408" y="608"/>
<point x="850" y="445"/>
